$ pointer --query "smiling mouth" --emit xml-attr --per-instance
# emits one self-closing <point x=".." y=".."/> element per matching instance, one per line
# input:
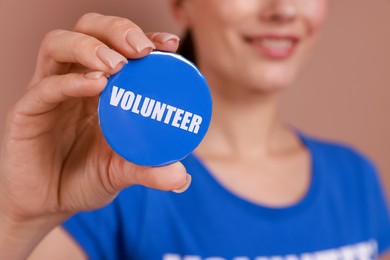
<point x="273" y="47"/>
<point x="277" y="43"/>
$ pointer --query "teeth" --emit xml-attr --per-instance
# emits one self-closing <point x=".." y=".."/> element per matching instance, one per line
<point x="277" y="43"/>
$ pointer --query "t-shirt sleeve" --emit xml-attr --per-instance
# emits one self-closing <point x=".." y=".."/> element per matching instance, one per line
<point x="380" y="210"/>
<point x="96" y="232"/>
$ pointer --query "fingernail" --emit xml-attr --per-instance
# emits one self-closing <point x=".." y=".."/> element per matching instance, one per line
<point x="165" y="37"/>
<point x="138" y="40"/>
<point x="110" y="57"/>
<point x="94" y="75"/>
<point x="185" y="187"/>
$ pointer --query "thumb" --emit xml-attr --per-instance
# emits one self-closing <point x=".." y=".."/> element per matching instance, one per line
<point x="172" y="177"/>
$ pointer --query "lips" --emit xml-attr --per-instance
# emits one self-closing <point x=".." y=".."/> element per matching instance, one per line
<point x="273" y="46"/>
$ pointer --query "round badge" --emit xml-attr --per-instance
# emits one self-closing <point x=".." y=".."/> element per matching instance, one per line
<point x="156" y="110"/>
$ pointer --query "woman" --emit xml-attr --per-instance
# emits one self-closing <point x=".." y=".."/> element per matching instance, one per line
<point x="260" y="189"/>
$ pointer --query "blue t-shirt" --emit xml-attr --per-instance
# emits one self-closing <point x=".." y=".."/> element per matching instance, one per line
<point x="342" y="216"/>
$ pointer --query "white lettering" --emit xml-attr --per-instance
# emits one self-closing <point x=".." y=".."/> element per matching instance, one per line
<point x="361" y="251"/>
<point x="186" y="120"/>
<point x="177" y="117"/>
<point x="135" y="109"/>
<point x="155" y="110"/>
<point x="171" y="257"/>
<point x="147" y="106"/>
<point x="158" y="111"/>
<point x="347" y="253"/>
<point x="291" y="257"/>
<point x="307" y="256"/>
<point x="365" y="251"/>
<point x="327" y="255"/>
<point x="195" y="124"/>
<point x="127" y="100"/>
<point x="170" y="110"/>
<point x="191" y="257"/>
<point x="116" y="96"/>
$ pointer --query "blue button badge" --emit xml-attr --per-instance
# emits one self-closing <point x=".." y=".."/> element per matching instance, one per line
<point x="156" y="110"/>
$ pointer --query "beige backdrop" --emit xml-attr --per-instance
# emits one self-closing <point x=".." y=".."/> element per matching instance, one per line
<point x="343" y="93"/>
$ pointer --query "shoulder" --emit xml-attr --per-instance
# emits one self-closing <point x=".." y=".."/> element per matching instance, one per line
<point x="338" y="154"/>
<point x="343" y="165"/>
<point x="353" y="183"/>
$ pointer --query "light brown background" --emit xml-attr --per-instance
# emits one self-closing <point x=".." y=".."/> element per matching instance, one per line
<point x="342" y="94"/>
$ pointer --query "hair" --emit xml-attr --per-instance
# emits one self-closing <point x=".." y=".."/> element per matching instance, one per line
<point x="187" y="48"/>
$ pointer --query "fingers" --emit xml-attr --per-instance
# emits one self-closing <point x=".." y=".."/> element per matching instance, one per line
<point x="58" y="88"/>
<point x="99" y="43"/>
<point x="171" y="177"/>
<point x="60" y="46"/>
<point x="118" y="33"/>
<point x="125" y="36"/>
<point x="164" y="41"/>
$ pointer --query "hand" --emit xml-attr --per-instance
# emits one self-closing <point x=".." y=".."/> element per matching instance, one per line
<point x="54" y="160"/>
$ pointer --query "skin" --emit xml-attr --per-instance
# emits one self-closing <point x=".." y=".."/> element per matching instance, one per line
<point x="248" y="143"/>
<point x="224" y="23"/>
<point x="70" y="166"/>
<point x="54" y="128"/>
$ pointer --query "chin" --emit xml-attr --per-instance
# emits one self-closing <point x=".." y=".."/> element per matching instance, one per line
<point x="273" y="82"/>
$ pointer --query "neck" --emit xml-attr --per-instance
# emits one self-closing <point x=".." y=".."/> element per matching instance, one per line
<point x="245" y="123"/>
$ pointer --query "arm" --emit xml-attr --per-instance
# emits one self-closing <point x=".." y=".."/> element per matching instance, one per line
<point x="54" y="160"/>
<point x="58" y="245"/>
<point x="385" y="256"/>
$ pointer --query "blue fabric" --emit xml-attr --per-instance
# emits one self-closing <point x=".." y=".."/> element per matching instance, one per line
<point x="344" y="213"/>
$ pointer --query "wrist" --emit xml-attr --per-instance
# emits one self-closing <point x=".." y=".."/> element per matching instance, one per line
<point x="19" y="237"/>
